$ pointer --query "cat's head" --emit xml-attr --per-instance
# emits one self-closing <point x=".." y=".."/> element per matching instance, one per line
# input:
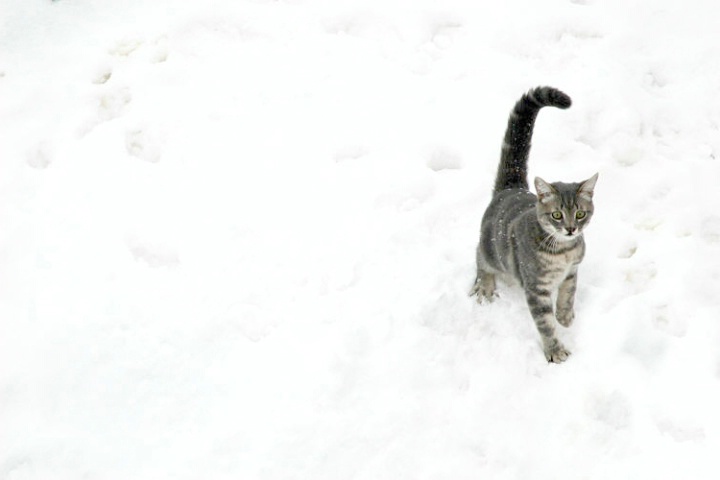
<point x="565" y="209"/>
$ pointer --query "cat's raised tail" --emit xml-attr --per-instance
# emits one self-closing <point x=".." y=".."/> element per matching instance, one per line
<point x="512" y="172"/>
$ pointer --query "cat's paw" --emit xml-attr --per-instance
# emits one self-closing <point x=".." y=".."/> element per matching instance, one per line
<point x="565" y="317"/>
<point x="556" y="353"/>
<point x="484" y="298"/>
<point x="484" y="295"/>
<point x="484" y="288"/>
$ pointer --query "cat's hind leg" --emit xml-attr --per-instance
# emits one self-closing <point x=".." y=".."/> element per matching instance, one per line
<point x="484" y="287"/>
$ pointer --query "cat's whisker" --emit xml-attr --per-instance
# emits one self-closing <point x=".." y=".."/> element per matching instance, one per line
<point x="550" y="242"/>
<point x="546" y="241"/>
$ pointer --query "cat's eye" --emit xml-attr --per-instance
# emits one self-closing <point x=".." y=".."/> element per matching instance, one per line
<point x="557" y="215"/>
<point x="580" y="214"/>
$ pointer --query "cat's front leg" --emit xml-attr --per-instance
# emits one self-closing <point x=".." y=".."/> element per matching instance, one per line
<point x="540" y="303"/>
<point x="565" y="313"/>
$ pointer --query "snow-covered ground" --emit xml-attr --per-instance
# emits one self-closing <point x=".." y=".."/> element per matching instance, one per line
<point x="236" y="240"/>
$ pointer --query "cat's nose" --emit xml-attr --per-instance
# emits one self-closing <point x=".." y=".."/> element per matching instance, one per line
<point x="570" y="230"/>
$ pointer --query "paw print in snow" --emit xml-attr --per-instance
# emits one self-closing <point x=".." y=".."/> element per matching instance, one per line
<point x="143" y="145"/>
<point x="444" y="159"/>
<point x="40" y="157"/>
<point x="154" y="255"/>
<point x="102" y="76"/>
<point x="113" y="103"/>
<point x="443" y="34"/>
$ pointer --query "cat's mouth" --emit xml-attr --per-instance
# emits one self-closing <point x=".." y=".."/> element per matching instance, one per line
<point x="568" y="236"/>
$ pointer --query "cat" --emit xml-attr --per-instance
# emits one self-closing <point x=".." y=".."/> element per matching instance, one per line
<point x="538" y="240"/>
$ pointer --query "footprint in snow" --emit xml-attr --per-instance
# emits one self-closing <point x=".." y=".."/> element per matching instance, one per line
<point x="102" y="75"/>
<point x="639" y="276"/>
<point x="113" y="103"/>
<point x="159" y="50"/>
<point x="247" y="319"/>
<point x="440" y="38"/>
<point x="358" y="25"/>
<point x="681" y="432"/>
<point x="124" y="47"/>
<point x="444" y="159"/>
<point x="153" y="51"/>
<point x="646" y="346"/>
<point x="350" y="152"/>
<point x="612" y="409"/>
<point x="444" y="33"/>
<point x="153" y="255"/>
<point x="143" y="144"/>
<point x="710" y="229"/>
<point x="666" y="320"/>
<point x="40" y="157"/>
<point x="628" y="250"/>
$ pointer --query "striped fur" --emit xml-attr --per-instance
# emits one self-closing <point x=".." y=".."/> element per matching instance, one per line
<point x="537" y="239"/>
<point x="516" y="144"/>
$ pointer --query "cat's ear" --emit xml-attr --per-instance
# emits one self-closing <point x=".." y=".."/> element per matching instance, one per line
<point x="588" y="186"/>
<point x="544" y="189"/>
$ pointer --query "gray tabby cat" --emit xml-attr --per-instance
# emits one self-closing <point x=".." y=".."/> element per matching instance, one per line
<point x="536" y="239"/>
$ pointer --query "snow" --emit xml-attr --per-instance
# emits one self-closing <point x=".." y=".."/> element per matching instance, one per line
<point x="238" y="236"/>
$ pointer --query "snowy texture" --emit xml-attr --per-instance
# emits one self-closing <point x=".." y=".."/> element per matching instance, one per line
<point x="237" y="237"/>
